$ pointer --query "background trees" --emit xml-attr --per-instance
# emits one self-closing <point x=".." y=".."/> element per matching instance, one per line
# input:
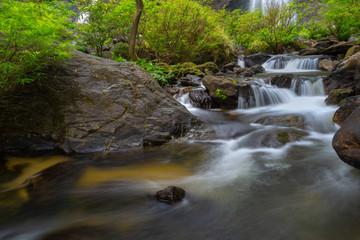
<point x="33" y="35"/>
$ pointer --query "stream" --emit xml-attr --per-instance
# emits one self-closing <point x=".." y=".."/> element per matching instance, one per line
<point x="236" y="187"/>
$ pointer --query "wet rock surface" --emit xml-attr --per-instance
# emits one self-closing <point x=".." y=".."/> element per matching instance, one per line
<point x="223" y="91"/>
<point x="200" y="99"/>
<point x="327" y="65"/>
<point x="346" y="141"/>
<point x="282" y="80"/>
<point x="273" y="138"/>
<point x="171" y="195"/>
<point x="348" y="105"/>
<point x="90" y="105"/>
<point x="284" y="121"/>
<point x="347" y="75"/>
<point x="337" y="95"/>
<point x="256" y="59"/>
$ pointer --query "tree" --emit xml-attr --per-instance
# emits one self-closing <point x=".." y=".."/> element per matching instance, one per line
<point x="134" y="29"/>
<point x="33" y="35"/>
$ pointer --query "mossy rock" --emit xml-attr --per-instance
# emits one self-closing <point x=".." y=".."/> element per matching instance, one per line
<point x="337" y="95"/>
<point x="183" y="69"/>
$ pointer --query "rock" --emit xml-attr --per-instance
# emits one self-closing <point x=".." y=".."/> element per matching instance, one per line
<point x="282" y="80"/>
<point x="222" y="90"/>
<point x="273" y="138"/>
<point x="256" y="59"/>
<point x="244" y="72"/>
<point x="257" y="69"/>
<point x="327" y="65"/>
<point x="200" y="99"/>
<point x="346" y="140"/>
<point x="183" y="69"/>
<point x="43" y="188"/>
<point x="171" y="194"/>
<point x="340" y="48"/>
<point x="353" y="50"/>
<point x="82" y="232"/>
<point x="336" y="95"/>
<point x="91" y="105"/>
<point x="246" y="96"/>
<point x="348" y="105"/>
<point x="284" y="121"/>
<point x="229" y="67"/>
<point x="309" y="51"/>
<point x="190" y="81"/>
<point x="322" y="45"/>
<point x="347" y="75"/>
<point x="209" y="68"/>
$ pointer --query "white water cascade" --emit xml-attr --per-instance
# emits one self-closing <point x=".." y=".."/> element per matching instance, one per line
<point x="284" y="64"/>
<point x="254" y="4"/>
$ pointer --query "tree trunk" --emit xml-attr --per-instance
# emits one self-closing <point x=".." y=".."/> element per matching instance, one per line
<point x="134" y="29"/>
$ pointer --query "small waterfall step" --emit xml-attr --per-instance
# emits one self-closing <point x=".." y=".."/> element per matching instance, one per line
<point x="289" y="64"/>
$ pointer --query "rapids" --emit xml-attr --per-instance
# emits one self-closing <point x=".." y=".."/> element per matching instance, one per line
<point x="234" y="189"/>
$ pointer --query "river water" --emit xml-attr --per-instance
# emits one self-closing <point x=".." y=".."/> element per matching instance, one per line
<point x="236" y="188"/>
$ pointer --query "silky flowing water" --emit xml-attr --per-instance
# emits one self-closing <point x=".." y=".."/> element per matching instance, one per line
<point x="235" y="189"/>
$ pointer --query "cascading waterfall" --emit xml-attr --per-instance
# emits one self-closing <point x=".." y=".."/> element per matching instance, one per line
<point x="307" y="87"/>
<point x="283" y="64"/>
<point x="267" y="95"/>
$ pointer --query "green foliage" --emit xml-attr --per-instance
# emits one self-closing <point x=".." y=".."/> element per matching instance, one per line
<point x="269" y="30"/>
<point x="184" y="31"/>
<point x="33" y="35"/>
<point x="219" y="94"/>
<point x="104" y="20"/>
<point x="162" y="75"/>
<point x="342" y="18"/>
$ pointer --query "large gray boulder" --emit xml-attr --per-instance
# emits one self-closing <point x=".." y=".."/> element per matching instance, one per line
<point x="91" y="105"/>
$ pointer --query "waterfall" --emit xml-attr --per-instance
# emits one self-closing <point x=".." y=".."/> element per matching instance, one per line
<point x="254" y="4"/>
<point x="307" y="87"/>
<point x="298" y="64"/>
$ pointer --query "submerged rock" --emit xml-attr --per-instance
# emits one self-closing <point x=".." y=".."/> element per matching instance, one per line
<point x="284" y="121"/>
<point x="91" y="105"/>
<point x="273" y="138"/>
<point x="346" y="141"/>
<point x="171" y="194"/>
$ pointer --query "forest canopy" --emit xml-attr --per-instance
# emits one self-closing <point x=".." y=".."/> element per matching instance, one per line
<point x="36" y="34"/>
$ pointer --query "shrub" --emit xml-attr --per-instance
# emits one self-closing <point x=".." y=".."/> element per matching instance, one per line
<point x="343" y="18"/>
<point x="271" y="29"/>
<point x="33" y="35"/>
<point x="103" y="20"/>
<point x="184" y="31"/>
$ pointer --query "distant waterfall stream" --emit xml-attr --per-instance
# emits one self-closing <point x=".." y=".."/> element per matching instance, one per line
<point x="254" y="4"/>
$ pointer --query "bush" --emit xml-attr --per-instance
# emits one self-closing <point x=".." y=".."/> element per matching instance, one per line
<point x="343" y="18"/>
<point x="103" y="20"/>
<point x="184" y="31"/>
<point x="269" y="30"/>
<point x="33" y="35"/>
